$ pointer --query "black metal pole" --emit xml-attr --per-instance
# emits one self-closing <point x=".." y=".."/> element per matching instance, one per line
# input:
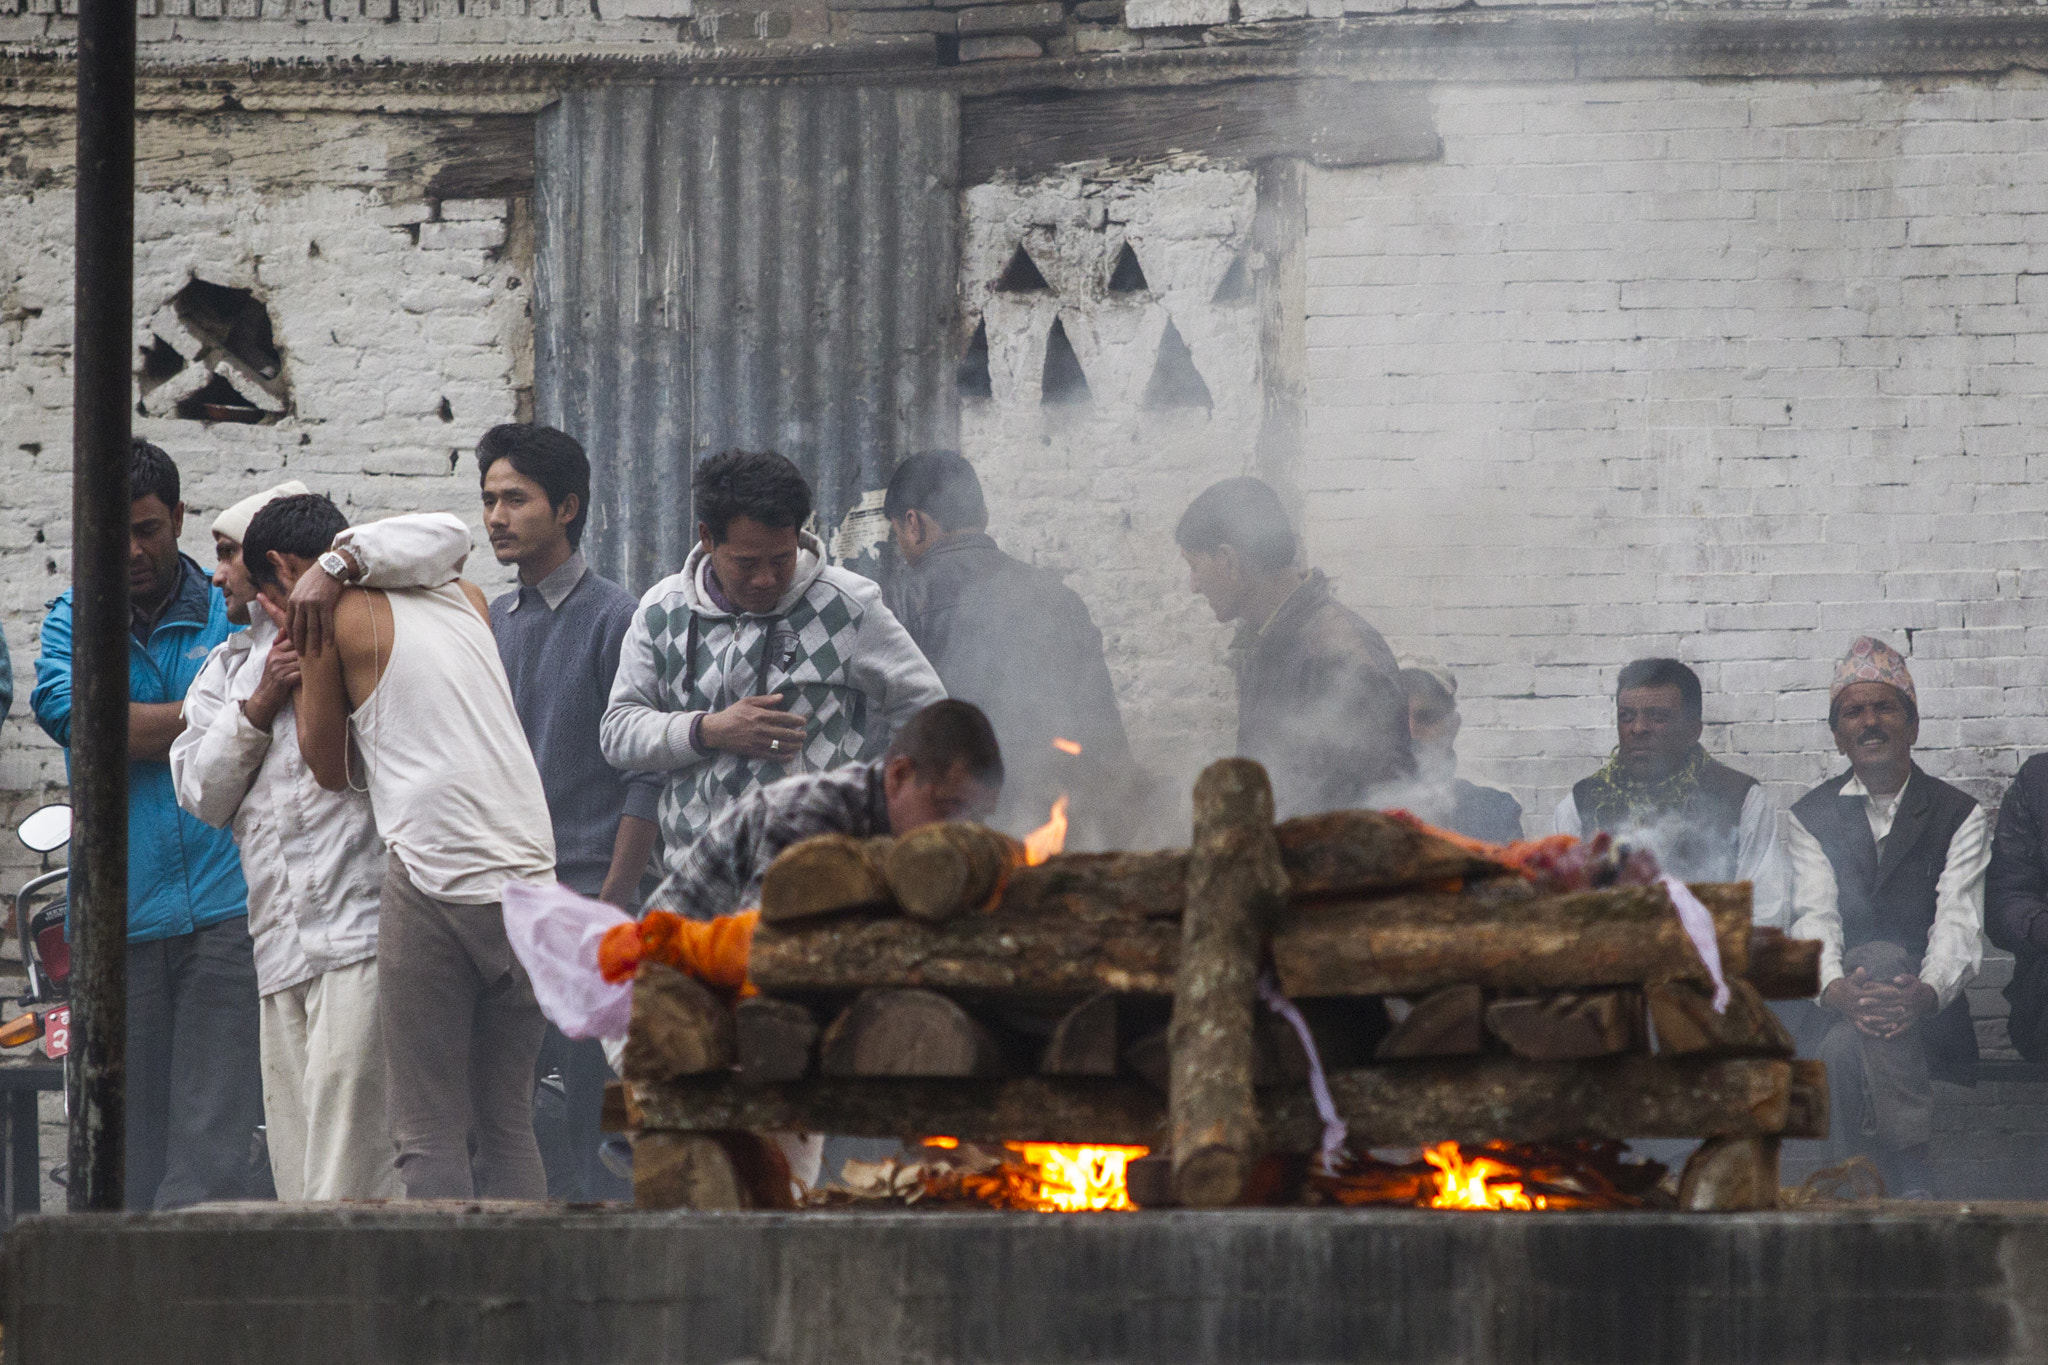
<point x="100" y="370"/>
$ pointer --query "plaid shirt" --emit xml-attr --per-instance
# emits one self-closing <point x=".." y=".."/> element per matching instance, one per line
<point x="721" y="873"/>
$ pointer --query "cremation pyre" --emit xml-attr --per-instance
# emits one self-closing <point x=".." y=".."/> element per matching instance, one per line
<point x="937" y="984"/>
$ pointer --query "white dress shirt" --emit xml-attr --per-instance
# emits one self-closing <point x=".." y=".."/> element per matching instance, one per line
<point x="1758" y="859"/>
<point x="1955" y="943"/>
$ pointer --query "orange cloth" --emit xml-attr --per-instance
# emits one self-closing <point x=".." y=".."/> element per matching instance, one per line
<point x="714" y="952"/>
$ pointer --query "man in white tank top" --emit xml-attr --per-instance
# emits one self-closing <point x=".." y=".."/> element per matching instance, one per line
<point x="409" y="702"/>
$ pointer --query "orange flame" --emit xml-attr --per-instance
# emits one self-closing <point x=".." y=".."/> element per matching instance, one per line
<point x="1049" y="838"/>
<point x="1067" y="746"/>
<point x="1044" y="1177"/>
<point x="1480" y="1183"/>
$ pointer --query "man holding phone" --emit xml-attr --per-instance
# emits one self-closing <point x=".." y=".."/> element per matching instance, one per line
<point x="759" y="659"/>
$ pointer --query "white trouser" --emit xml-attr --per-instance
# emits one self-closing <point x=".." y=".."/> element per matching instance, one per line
<point x="323" y="1089"/>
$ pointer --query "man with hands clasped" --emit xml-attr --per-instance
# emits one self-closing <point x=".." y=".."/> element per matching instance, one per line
<point x="1888" y="871"/>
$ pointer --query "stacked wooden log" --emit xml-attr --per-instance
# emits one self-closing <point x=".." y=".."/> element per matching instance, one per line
<point x="933" y="984"/>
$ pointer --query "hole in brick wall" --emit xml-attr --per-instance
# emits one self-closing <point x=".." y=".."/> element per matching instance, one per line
<point x="159" y="361"/>
<point x="232" y="320"/>
<point x="1128" y="277"/>
<point x="1062" y="380"/>
<point x="218" y="401"/>
<point x="1236" y="285"/>
<point x="1175" y="382"/>
<point x="973" y="376"/>
<point x="1021" y="275"/>
<point x="446" y="411"/>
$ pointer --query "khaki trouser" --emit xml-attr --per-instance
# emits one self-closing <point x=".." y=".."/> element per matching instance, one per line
<point x="461" y="1034"/>
<point x="323" y="1089"/>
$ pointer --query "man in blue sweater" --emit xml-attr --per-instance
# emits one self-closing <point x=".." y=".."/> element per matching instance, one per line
<point x="195" y="1094"/>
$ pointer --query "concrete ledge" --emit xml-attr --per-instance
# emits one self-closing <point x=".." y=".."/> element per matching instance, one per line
<point x="385" y="1284"/>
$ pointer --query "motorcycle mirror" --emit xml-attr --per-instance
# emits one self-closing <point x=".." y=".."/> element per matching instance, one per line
<point x="47" y="829"/>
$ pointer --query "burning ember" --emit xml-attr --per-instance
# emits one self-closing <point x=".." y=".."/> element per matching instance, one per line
<point x="1523" y="1177"/>
<point x="1067" y="746"/>
<point x="1036" y="1177"/>
<point x="1049" y="838"/>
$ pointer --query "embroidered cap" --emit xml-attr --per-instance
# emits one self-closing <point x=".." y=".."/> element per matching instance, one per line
<point x="1871" y="660"/>
<point x="234" y="523"/>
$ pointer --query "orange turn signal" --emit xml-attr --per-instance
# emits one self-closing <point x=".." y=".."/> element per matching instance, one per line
<point x="22" y="1028"/>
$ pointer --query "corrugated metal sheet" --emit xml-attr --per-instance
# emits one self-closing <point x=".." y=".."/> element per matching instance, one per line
<point x="742" y="267"/>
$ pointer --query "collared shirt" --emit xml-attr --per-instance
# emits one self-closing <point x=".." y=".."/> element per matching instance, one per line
<point x="721" y="871"/>
<point x="1955" y="944"/>
<point x="559" y="641"/>
<point x="1758" y="858"/>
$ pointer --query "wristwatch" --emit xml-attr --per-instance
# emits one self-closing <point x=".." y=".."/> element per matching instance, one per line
<point x="339" y="569"/>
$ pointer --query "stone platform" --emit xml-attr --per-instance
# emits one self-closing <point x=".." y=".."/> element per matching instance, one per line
<point x="394" y="1285"/>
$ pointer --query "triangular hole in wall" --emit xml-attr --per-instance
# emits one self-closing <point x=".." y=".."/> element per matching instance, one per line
<point x="1175" y="382"/>
<point x="1128" y="277"/>
<point x="1062" y="380"/>
<point x="1236" y="286"/>
<point x="1021" y="275"/>
<point x="973" y="372"/>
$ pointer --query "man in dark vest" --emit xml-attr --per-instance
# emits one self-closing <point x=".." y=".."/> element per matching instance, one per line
<point x="1705" y="821"/>
<point x="1888" y="873"/>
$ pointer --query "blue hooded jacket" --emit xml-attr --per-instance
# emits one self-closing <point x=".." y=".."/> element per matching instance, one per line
<point x="182" y="873"/>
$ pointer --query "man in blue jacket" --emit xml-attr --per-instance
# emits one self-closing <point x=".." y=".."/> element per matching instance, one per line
<point x="195" y="1094"/>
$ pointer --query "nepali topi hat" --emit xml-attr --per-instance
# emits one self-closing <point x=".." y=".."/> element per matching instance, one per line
<point x="1872" y="660"/>
<point x="234" y="523"/>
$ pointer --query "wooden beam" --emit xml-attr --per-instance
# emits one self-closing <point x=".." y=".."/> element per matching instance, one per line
<point x="1327" y="122"/>
<point x="1403" y="1104"/>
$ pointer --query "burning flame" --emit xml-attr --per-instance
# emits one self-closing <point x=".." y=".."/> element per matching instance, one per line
<point x="1049" y="838"/>
<point x="1067" y="746"/>
<point x="1480" y="1183"/>
<point x="1043" y="1177"/>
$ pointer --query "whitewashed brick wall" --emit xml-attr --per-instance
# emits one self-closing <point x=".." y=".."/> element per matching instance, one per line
<point x="386" y="307"/>
<point x="1093" y="491"/>
<point x="1731" y="371"/>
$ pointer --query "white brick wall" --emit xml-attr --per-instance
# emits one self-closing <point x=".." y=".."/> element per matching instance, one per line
<point x="1731" y="371"/>
<point x="377" y="331"/>
<point x="1094" y="491"/>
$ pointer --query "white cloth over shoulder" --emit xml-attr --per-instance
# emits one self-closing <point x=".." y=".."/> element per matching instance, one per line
<point x="555" y="934"/>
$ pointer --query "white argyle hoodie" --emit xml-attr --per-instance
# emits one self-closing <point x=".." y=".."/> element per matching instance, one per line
<point x="832" y="648"/>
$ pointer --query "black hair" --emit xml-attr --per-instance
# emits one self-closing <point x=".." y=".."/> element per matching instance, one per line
<point x="1664" y="673"/>
<point x="553" y="459"/>
<point x="1423" y="686"/>
<point x="1835" y="708"/>
<point x="151" y="471"/>
<point x="940" y="484"/>
<point x="949" y="732"/>
<point x="750" y="483"/>
<point x="304" y="525"/>
<point x="1243" y="513"/>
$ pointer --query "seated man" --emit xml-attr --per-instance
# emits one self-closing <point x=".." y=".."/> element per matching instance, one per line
<point x="1705" y="821"/>
<point x="408" y="700"/>
<point x="1888" y="873"/>
<point x="943" y="764"/>
<point x="1433" y="723"/>
<point x="2016" y="903"/>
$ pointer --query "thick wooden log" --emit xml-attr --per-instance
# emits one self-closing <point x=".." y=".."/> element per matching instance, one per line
<point x="773" y="1040"/>
<point x="1277" y="1056"/>
<point x="709" y="1171"/>
<point x="677" y="1027"/>
<point x="1683" y="1012"/>
<point x="908" y="1033"/>
<point x="1570" y="1025"/>
<point x="1406" y="945"/>
<point x="1807" y="1115"/>
<point x="824" y="875"/>
<point x="1731" y="1175"/>
<point x="945" y="870"/>
<point x="1084" y="1042"/>
<point x="1450" y="1022"/>
<point x="1783" y="968"/>
<point x="1474" y="1099"/>
<point x="977" y="954"/>
<point x="1359" y="852"/>
<point x="1235" y="889"/>
<point x="1101" y="886"/>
